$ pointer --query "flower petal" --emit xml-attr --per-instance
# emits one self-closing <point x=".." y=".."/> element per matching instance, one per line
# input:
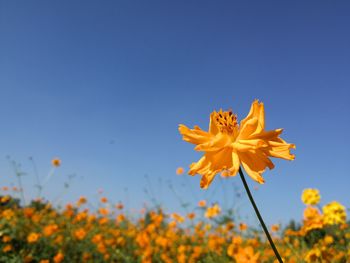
<point x="195" y="136"/>
<point x="257" y="113"/>
<point x="235" y="164"/>
<point x="249" y="145"/>
<point x="206" y="180"/>
<point x="280" y="149"/>
<point x="218" y="142"/>
<point x="213" y="129"/>
<point x="211" y="164"/>
<point x="255" y="163"/>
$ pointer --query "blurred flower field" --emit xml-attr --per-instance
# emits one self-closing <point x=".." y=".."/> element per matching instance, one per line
<point x="39" y="232"/>
<point x="80" y="232"/>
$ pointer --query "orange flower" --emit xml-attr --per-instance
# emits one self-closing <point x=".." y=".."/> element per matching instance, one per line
<point x="82" y="200"/>
<point x="243" y="226"/>
<point x="104" y="200"/>
<point x="247" y="255"/>
<point x="180" y="170"/>
<point x="58" y="258"/>
<point x="119" y="206"/>
<point x="80" y="233"/>
<point x="275" y="228"/>
<point x="212" y="211"/>
<point x="7" y="248"/>
<point x="33" y="237"/>
<point x="50" y="229"/>
<point x="56" y="162"/>
<point x="202" y="203"/>
<point x="226" y="145"/>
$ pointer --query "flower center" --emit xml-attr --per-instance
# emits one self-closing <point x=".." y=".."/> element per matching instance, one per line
<point x="226" y="121"/>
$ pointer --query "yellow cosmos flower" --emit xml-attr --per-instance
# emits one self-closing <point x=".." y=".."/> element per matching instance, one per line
<point x="212" y="211"/>
<point x="310" y="196"/>
<point x="334" y="213"/>
<point x="228" y="144"/>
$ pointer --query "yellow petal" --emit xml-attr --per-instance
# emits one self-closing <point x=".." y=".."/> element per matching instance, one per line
<point x="201" y="166"/>
<point x="206" y="180"/>
<point x="213" y="129"/>
<point x="280" y="149"/>
<point x="235" y="164"/>
<point x="255" y="163"/>
<point x="211" y="164"/>
<point x="195" y="136"/>
<point x="256" y="112"/>
<point x="218" y="142"/>
<point x="248" y="145"/>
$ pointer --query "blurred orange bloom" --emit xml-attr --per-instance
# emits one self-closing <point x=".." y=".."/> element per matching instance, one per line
<point x="247" y="254"/>
<point x="80" y="233"/>
<point x="7" y="248"/>
<point x="212" y="211"/>
<point x="58" y="258"/>
<point x="104" y="200"/>
<point x="56" y="162"/>
<point x="33" y="237"/>
<point x="180" y="170"/>
<point x="243" y="226"/>
<point x="226" y="145"/>
<point x="202" y="203"/>
<point x="275" y="228"/>
<point x="119" y="206"/>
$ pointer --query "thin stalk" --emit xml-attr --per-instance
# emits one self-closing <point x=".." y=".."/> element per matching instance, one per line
<point x="259" y="216"/>
<point x="21" y="188"/>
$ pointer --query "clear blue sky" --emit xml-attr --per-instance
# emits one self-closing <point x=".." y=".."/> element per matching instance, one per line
<point x="104" y="85"/>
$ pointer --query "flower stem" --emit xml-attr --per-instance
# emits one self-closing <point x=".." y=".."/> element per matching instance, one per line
<point x="259" y="216"/>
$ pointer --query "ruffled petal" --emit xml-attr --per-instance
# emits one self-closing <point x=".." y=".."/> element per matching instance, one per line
<point x="211" y="164"/>
<point x="235" y="164"/>
<point x="213" y="129"/>
<point x="255" y="120"/>
<point x="280" y="149"/>
<point x="218" y="142"/>
<point x="249" y="145"/>
<point x="255" y="163"/>
<point x="207" y="179"/>
<point x="195" y="136"/>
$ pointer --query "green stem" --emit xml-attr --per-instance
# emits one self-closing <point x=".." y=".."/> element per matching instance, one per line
<point x="259" y="216"/>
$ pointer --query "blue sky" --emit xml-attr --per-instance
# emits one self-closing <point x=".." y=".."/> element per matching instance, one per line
<point x="104" y="85"/>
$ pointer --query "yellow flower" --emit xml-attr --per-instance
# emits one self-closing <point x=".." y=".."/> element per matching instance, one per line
<point x="334" y="213"/>
<point x="226" y="145"/>
<point x="314" y="255"/>
<point x="310" y="196"/>
<point x="56" y="162"/>
<point x="247" y="254"/>
<point x="212" y="211"/>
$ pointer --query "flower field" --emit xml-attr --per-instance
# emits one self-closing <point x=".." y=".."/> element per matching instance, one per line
<point x="38" y="232"/>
